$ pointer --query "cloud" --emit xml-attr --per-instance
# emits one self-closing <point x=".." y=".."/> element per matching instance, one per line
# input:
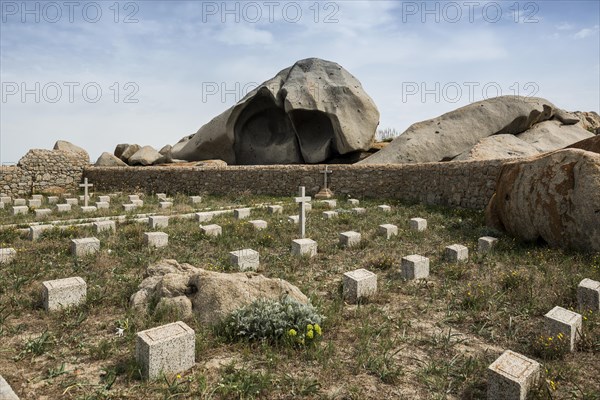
<point x="586" y="32"/>
<point x="565" y="26"/>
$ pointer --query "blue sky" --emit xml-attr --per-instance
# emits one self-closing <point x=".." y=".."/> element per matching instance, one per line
<point x="166" y="68"/>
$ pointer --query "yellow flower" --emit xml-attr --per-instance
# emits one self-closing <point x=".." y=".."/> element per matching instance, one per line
<point x="178" y="376"/>
<point x="292" y="332"/>
<point x="318" y="329"/>
<point x="309" y="327"/>
<point x="310" y="334"/>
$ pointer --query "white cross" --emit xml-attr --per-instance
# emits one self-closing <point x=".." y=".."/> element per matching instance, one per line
<point x="325" y="173"/>
<point x="85" y="185"/>
<point x="302" y="199"/>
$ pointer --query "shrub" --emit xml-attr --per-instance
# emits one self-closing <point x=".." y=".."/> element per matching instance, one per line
<point x="283" y="321"/>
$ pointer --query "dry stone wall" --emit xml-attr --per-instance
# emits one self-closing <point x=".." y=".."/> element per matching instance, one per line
<point x="464" y="184"/>
<point x="43" y="171"/>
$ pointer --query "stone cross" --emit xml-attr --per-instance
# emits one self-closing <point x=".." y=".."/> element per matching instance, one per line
<point x="325" y="173"/>
<point x="85" y="185"/>
<point x="302" y="199"/>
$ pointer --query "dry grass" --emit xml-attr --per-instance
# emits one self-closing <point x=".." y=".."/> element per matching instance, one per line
<point x="425" y="340"/>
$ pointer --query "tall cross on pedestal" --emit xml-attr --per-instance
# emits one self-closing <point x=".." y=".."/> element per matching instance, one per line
<point x="85" y="185"/>
<point x="325" y="173"/>
<point x="302" y="199"/>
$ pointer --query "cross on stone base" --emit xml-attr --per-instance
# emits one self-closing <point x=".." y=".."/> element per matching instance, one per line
<point x="325" y="193"/>
<point x="302" y="200"/>
<point x="85" y="185"/>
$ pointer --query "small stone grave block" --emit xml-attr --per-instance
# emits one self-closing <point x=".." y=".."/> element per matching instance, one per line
<point x="82" y="198"/>
<point x="245" y="260"/>
<point x="102" y="205"/>
<point x="196" y="199"/>
<point x="156" y="239"/>
<point x="165" y="204"/>
<point x="161" y="196"/>
<point x="294" y="219"/>
<point x="37" y="197"/>
<point x="63" y="207"/>
<point x="456" y="253"/>
<point x="417" y="224"/>
<point x="387" y="230"/>
<point x="588" y="295"/>
<point x="275" y="209"/>
<point x="7" y="255"/>
<point x="42" y="212"/>
<point x="104" y="199"/>
<point x="359" y="210"/>
<point x="485" y="244"/>
<point x="167" y="349"/>
<point x="330" y="214"/>
<point x="61" y="293"/>
<point x="212" y="230"/>
<point x="353" y="202"/>
<point x="307" y="207"/>
<point x="138" y="203"/>
<point x="241" y="213"/>
<point x="569" y="323"/>
<point x="6" y="200"/>
<point x="158" y="221"/>
<point x="20" y="210"/>
<point x="414" y="267"/>
<point x="304" y="247"/>
<point x="1" y="205"/>
<point x="133" y="197"/>
<point x="359" y="284"/>
<point x="35" y="203"/>
<point x="349" y="239"/>
<point x="19" y="202"/>
<point x="88" y="209"/>
<point x="129" y="207"/>
<point x="6" y="392"/>
<point x="104" y="226"/>
<point x="384" y="208"/>
<point x="85" y="246"/>
<point x="72" y="201"/>
<point x="259" y="224"/>
<point x="53" y="200"/>
<point x="330" y="203"/>
<point x="36" y="231"/>
<point x="204" y="216"/>
<point x="512" y="376"/>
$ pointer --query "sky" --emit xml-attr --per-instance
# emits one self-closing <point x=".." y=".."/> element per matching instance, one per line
<point x="99" y="73"/>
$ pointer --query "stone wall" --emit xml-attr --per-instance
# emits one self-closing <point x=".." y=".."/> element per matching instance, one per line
<point x="467" y="184"/>
<point x="43" y="171"/>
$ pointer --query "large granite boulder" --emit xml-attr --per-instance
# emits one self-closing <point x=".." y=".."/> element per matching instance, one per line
<point x="308" y="113"/>
<point x="208" y="295"/>
<point x="147" y="155"/>
<point x="449" y="135"/>
<point x="498" y="147"/>
<point x="129" y="151"/>
<point x="63" y="145"/>
<point x="109" y="160"/>
<point x="592" y="144"/>
<point x="553" y="135"/>
<point x="590" y="121"/>
<point x="553" y="197"/>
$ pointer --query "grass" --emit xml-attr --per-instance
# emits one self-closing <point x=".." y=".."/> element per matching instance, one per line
<point x="420" y="340"/>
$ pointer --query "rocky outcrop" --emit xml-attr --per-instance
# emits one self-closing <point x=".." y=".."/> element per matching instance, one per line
<point x="552" y="197"/>
<point x="147" y="155"/>
<point x="590" y="121"/>
<point x="63" y="145"/>
<point x="553" y="135"/>
<point x="308" y="113"/>
<point x="210" y="296"/>
<point x="592" y="144"/>
<point x="108" y="160"/>
<point x="498" y="147"/>
<point x="129" y="151"/>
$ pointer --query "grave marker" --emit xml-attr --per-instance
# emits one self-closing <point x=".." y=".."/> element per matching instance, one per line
<point x="6" y="200"/>
<point x="275" y="209"/>
<point x="245" y="260"/>
<point x="85" y="246"/>
<point x="329" y="203"/>
<point x="384" y="208"/>
<point x="212" y="230"/>
<point x="7" y="255"/>
<point x="588" y="295"/>
<point x="37" y="197"/>
<point x="349" y="239"/>
<point x="103" y="226"/>
<point x="294" y="219"/>
<point x="20" y="210"/>
<point x="36" y="231"/>
<point x="569" y="323"/>
<point x="88" y="209"/>
<point x="63" y="207"/>
<point x="158" y="221"/>
<point x="241" y="213"/>
<point x="129" y="207"/>
<point x="1" y="205"/>
<point x="52" y="200"/>
<point x="35" y="203"/>
<point x="42" y="212"/>
<point x="61" y="293"/>
<point x="102" y="205"/>
<point x="414" y="267"/>
<point x="6" y="392"/>
<point x="456" y="253"/>
<point x="329" y="214"/>
<point x="302" y="199"/>
<point x="204" y="216"/>
<point x="104" y="199"/>
<point x="325" y="192"/>
<point x="156" y="239"/>
<point x="359" y="284"/>
<point x="72" y="201"/>
<point x="259" y="224"/>
<point x="167" y="349"/>
<point x="387" y="230"/>
<point x="20" y="202"/>
<point x="161" y="196"/>
<point x="353" y="202"/>
<point x="133" y="197"/>
<point x="485" y="244"/>
<point x="359" y="210"/>
<point x="304" y="247"/>
<point x="165" y="204"/>
<point x="512" y="376"/>
<point x="85" y="185"/>
<point x="196" y="199"/>
<point x="418" y="224"/>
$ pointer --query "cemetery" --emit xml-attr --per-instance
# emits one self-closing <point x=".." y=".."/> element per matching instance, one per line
<point x="412" y="300"/>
